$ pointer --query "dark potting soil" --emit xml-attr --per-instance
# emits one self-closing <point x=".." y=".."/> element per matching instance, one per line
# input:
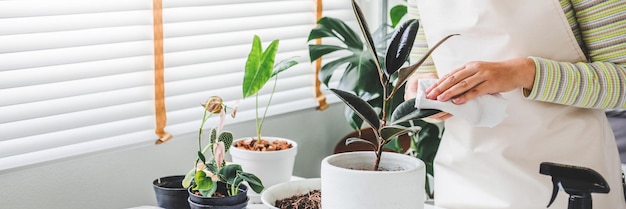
<point x="311" y="200"/>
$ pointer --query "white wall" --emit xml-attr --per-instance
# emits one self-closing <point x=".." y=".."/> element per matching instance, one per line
<point x="123" y="178"/>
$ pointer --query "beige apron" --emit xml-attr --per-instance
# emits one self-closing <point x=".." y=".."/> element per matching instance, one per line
<point x="484" y="168"/>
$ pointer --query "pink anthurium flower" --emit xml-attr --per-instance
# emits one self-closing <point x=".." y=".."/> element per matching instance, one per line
<point x="219" y="150"/>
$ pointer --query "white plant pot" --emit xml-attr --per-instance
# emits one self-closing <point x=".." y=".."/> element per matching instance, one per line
<point x="272" y="167"/>
<point x="349" y="182"/>
<point x="288" y="189"/>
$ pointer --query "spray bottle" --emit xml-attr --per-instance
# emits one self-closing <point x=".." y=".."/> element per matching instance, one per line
<point x="578" y="182"/>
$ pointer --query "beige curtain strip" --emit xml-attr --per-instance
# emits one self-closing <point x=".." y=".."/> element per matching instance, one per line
<point x="159" y="66"/>
<point x="321" y="99"/>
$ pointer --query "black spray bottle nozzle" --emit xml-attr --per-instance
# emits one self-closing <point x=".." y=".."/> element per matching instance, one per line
<point x="578" y="182"/>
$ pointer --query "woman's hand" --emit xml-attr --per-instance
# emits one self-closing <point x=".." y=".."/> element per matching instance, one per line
<point x="411" y="92"/>
<point x="479" y="78"/>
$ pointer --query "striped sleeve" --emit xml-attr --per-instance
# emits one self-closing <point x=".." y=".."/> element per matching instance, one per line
<point x="600" y="83"/>
<point x="419" y="46"/>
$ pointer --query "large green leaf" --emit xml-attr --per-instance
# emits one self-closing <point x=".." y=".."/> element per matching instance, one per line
<point x="229" y="172"/>
<point x="400" y="46"/>
<point x="407" y="111"/>
<point x="203" y="182"/>
<point x="254" y="181"/>
<point x="360" y="107"/>
<point x="318" y="50"/>
<point x="396" y="13"/>
<point x="333" y="27"/>
<point x="406" y="72"/>
<point x="259" y="66"/>
<point x="284" y="65"/>
<point x="427" y="144"/>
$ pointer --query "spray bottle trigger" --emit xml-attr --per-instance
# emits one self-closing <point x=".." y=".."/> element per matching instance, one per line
<point x="555" y="191"/>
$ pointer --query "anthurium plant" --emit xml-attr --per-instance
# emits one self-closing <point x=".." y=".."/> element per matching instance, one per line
<point x="207" y="173"/>
<point x="260" y="68"/>
<point x="393" y="120"/>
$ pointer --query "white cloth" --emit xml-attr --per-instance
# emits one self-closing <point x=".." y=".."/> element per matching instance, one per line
<point x="483" y="111"/>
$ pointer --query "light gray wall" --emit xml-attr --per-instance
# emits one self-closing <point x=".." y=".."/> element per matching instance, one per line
<point x="123" y="179"/>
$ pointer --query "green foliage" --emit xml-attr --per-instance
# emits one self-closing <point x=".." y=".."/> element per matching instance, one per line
<point x="207" y="172"/>
<point x="259" y="70"/>
<point x="396" y="13"/>
<point x="393" y="119"/>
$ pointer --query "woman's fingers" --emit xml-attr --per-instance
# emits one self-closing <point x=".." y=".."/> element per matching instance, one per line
<point x="479" y="78"/>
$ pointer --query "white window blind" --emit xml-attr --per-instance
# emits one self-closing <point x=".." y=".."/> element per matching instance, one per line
<point x="76" y="77"/>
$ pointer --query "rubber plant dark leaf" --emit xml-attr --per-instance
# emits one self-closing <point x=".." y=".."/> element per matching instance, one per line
<point x="406" y="111"/>
<point x="368" y="36"/>
<point x="359" y="140"/>
<point x="253" y="181"/>
<point x="406" y="72"/>
<point x="400" y="45"/>
<point x="359" y="106"/>
<point x="392" y="131"/>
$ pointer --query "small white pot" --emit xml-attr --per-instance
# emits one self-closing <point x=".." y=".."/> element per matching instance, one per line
<point x="272" y="167"/>
<point x="288" y="189"/>
<point x="349" y="182"/>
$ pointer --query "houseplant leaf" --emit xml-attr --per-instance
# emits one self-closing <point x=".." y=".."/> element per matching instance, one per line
<point x="202" y="182"/>
<point x="333" y="27"/>
<point x="407" y="111"/>
<point x="227" y="138"/>
<point x="359" y="140"/>
<point x="365" y="31"/>
<point x="400" y="46"/>
<point x="406" y="72"/>
<point x="284" y="65"/>
<point x="396" y="13"/>
<point x="359" y="106"/>
<point x="259" y="66"/>
<point x="254" y="181"/>
<point x="390" y="132"/>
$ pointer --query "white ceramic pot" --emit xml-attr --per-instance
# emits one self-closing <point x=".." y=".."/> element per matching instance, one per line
<point x="349" y="182"/>
<point x="271" y="167"/>
<point x="288" y="189"/>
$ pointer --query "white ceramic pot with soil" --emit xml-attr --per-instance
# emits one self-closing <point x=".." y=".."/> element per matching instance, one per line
<point x="348" y="181"/>
<point x="272" y="167"/>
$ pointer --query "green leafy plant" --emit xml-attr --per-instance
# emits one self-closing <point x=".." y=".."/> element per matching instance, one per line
<point x="259" y="70"/>
<point x="392" y="122"/>
<point x="204" y="177"/>
<point x="396" y="13"/>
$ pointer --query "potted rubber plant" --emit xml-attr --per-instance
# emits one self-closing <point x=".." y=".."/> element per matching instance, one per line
<point x="347" y="52"/>
<point x="345" y="176"/>
<point x="213" y="183"/>
<point x="270" y="158"/>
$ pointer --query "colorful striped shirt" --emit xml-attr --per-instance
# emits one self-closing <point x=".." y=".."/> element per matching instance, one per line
<point x="600" y="28"/>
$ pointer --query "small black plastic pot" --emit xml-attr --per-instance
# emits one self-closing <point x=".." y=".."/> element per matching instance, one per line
<point x="238" y="201"/>
<point x="170" y="193"/>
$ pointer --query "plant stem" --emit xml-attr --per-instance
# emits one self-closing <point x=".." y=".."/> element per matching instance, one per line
<point x="256" y="118"/>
